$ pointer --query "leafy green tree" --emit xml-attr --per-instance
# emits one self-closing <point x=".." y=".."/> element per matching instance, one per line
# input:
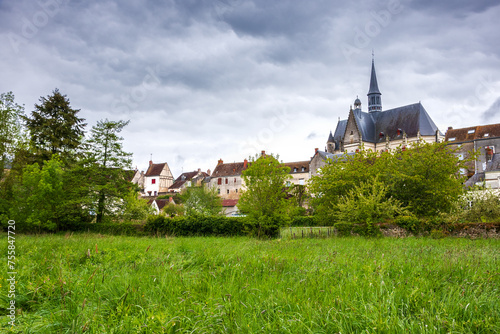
<point x="39" y="197"/>
<point x="201" y="200"/>
<point x="10" y="128"/>
<point x="424" y="177"/>
<point x="55" y="127"/>
<point x="265" y="200"/>
<point x="368" y="202"/>
<point x="135" y="208"/>
<point x="105" y="167"/>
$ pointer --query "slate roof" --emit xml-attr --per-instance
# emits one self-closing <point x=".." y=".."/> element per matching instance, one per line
<point x="478" y="132"/>
<point x="410" y="119"/>
<point x="188" y="176"/>
<point x="155" y="169"/>
<point x="298" y="165"/>
<point x="373" y="82"/>
<point x="494" y="164"/>
<point x="339" y="133"/>
<point x="228" y="169"/>
<point x="334" y="157"/>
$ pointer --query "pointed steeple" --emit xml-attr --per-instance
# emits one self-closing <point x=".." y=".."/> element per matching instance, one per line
<point x="374" y="99"/>
<point x="330" y="138"/>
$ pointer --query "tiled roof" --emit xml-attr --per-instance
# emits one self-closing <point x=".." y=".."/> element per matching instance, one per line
<point x="299" y="165"/>
<point x="229" y="202"/>
<point x="473" y="133"/>
<point x="494" y="164"/>
<point x="155" y="169"/>
<point x="229" y="169"/>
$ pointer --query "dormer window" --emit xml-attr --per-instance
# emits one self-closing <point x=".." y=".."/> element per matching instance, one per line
<point x="295" y="169"/>
<point x="303" y="169"/>
<point x="452" y="139"/>
<point x="486" y="134"/>
<point x="471" y="131"/>
<point x="381" y="135"/>
<point x="399" y="132"/>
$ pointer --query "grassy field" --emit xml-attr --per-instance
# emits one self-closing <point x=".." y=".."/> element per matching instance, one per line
<point x="108" y="284"/>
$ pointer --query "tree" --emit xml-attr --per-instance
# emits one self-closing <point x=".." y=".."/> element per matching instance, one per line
<point x="55" y="127"/>
<point x="201" y="200"/>
<point x="105" y="167"/>
<point x="265" y="199"/>
<point x="39" y="198"/>
<point x="10" y="128"/>
<point x="424" y="177"/>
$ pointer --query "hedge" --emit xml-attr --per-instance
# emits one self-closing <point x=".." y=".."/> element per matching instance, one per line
<point x="197" y="225"/>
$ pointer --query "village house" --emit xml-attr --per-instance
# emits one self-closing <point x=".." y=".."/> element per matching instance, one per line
<point x="485" y="139"/>
<point x="188" y="179"/>
<point x="157" y="179"/>
<point x="377" y="129"/>
<point x="226" y="177"/>
<point x="159" y="204"/>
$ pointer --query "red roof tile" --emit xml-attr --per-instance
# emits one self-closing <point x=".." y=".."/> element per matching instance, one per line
<point x="229" y="202"/>
<point x="155" y="169"/>
<point x="473" y="132"/>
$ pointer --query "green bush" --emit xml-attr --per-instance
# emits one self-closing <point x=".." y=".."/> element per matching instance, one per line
<point x="266" y="226"/>
<point x="343" y="229"/>
<point x="305" y="221"/>
<point x="196" y="225"/>
<point x="410" y="223"/>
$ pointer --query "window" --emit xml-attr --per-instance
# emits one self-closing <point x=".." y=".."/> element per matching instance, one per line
<point x="218" y="191"/>
<point x="486" y="134"/>
<point x="153" y="181"/>
<point x="471" y="131"/>
<point x="236" y="190"/>
<point x="303" y="169"/>
<point x="227" y="180"/>
<point x="219" y="181"/>
<point x="234" y="180"/>
<point x="301" y="182"/>
<point x="295" y="169"/>
<point x="452" y="139"/>
<point x="227" y="191"/>
<point x="288" y="183"/>
<point x="156" y="193"/>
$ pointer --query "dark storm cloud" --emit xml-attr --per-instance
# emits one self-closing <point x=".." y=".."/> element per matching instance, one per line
<point x="202" y="80"/>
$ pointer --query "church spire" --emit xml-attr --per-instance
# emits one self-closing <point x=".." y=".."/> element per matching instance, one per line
<point x="374" y="99"/>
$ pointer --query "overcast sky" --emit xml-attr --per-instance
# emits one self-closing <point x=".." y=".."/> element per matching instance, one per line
<point x="203" y="80"/>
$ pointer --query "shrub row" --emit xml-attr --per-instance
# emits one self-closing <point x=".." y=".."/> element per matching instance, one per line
<point x="196" y="225"/>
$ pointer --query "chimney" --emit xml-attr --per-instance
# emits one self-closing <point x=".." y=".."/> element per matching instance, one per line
<point x="245" y="164"/>
<point x="150" y="162"/>
<point x="220" y="162"/>
<point x="450" y="128"/>
<point x="316" y="150"/>
<point x="263" y="153"/>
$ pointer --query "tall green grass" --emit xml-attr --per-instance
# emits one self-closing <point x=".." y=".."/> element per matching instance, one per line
<point x="243" y="285"/>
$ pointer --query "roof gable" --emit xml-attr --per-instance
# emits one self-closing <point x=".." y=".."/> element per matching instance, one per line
<point x="156" y="169"/>
<point x="229" y="169"/>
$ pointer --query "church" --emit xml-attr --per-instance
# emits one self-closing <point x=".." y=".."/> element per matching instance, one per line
<point x="378" y="129"/>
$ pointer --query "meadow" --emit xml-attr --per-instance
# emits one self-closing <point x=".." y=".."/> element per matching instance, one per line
<point x="89" y="283"/>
